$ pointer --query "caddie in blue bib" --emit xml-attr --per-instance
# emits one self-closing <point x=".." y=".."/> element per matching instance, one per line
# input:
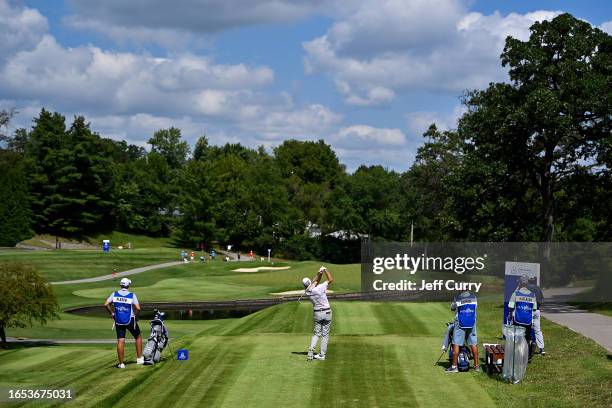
<point x="466" y="311"/>
<point x="524" y="303"/>
<point x="464" y="329"/>
<point x="122" y="306"/>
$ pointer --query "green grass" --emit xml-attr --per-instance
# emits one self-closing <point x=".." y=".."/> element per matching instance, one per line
<point x="137" y="241"/>
<point x="116" y="239"/>
<point x="77" y="264"/>
<point x="217" y="280"/>
<point x="194" y="281"/>
<point x="71" y="326"/>
<point x="380" y="354"/>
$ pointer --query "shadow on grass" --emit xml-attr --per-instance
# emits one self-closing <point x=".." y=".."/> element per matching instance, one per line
<point x="27" y="344"/>
<point x="305" y="353"/>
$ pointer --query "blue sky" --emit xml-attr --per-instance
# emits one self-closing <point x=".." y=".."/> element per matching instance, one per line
<point x="366" y="76"/>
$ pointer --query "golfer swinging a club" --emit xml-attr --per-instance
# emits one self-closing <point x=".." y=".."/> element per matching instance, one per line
<point x="125" y="305"/>
<point x="322" y="312"/>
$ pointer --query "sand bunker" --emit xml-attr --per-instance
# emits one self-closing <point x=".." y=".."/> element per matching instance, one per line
<point x="262" y="268"/>
<point x="294" y="292"/>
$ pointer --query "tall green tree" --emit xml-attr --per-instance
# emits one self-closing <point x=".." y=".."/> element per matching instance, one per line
<point x="25" y="298"/>
<point x="425" y="195"/>
<point x="553" y="119"/>
<point x="48" y="153"/>
<point x="168" y="143"/>
<point x="196" y="202"/>
<point x="15" y="213"/>
<point x="92" y="192"/>
<point x="375" y="193"/>
<point x="202" y="149"/>
<point x="70" y="181"/>
<point x="311" y="171"/>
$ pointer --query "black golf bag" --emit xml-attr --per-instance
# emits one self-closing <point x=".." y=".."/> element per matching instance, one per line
<point x="465" y="352"/>
<point x="157" y="340"/>
<point x="533" y="347"/>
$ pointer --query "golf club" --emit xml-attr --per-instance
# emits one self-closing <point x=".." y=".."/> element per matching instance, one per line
<point x="308" y="287"/>
<point x="302" y="295"/>
<point x="438" y="360"/>
<point x="171" y="351"/>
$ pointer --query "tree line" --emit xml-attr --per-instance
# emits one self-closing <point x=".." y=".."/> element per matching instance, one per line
<point x="530" y="160"/>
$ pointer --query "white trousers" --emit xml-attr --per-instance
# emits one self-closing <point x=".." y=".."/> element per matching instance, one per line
<point x="537" y="329"/>
<point x="322" y="324"/>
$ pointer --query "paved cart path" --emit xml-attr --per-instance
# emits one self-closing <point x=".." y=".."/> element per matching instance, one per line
<point x="119" y="274"/>
<point x="592" y="325"/>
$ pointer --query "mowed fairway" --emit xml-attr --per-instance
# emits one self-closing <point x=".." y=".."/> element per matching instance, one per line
<point x="374" y="360"/>
<point x="380" y="355"/>
<point x="217" y="280"/>
<point x="79" y="263"/>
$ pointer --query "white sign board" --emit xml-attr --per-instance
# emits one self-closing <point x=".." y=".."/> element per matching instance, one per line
<point x="519" y="269"/>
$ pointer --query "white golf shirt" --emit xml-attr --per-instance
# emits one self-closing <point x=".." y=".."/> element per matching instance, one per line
<point x="318" y="297"/>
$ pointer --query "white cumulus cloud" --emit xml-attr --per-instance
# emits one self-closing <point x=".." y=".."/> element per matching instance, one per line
<point x="20" y="28"/>
<point x="367" y="134"/>
<point x="92" y="78"/>
<point x="395" y="47"/>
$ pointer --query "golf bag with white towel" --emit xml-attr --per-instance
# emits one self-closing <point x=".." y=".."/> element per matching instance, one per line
<point x="516" y="356"/>
<point x="157" y="340"/>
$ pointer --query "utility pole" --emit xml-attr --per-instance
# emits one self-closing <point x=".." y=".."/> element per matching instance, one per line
<point x="411" y="233"/>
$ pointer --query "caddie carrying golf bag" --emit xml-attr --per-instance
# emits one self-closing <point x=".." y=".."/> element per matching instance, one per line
<point x="463" y="358"/>
<point x="157" y="340"/>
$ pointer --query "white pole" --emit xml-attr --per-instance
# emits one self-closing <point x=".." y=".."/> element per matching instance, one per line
<point x="269" y="250"/>
<point x="411" y="233"/>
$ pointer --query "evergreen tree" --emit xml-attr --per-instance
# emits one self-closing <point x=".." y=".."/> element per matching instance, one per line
<point x="15" y="214"/>
<point x="71" y="182"/>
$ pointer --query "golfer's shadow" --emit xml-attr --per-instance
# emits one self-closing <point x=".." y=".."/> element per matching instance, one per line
<point x="443" y="363"/>
<point x="300" y="353"/>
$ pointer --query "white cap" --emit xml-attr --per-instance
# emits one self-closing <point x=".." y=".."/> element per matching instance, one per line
<point x="306" y="282"/>
<point x="322" y="269"/>
<point x="125" y="283"/>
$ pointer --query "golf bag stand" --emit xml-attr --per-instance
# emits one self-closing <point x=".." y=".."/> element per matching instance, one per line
<point x="157" y="340"/>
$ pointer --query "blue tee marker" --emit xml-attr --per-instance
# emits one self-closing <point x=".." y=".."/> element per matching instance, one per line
<point x="183" y="354"/>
